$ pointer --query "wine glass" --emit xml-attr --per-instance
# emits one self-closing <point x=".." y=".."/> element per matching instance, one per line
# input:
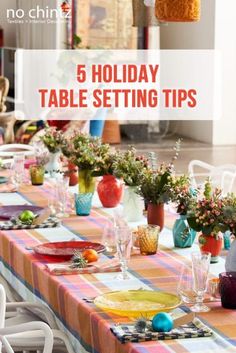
<point x="185" y="285"/>
<point x="109" y="238"/>
<point x="62" y="187"/>
<point x="123" y="245"/>
<point x="52" y="197"/>
<point x="200" y="268"/>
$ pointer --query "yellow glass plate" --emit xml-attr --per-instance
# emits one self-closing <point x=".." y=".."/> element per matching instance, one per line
<point x="136" y="303"/>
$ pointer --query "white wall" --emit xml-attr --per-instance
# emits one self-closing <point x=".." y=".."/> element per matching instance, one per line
<point x="199" y="35"/>
<point x="224" y="131"/>
<point x="216" y="30"/>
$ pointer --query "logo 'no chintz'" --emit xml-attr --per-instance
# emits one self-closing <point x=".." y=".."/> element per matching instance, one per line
<point x="39" y="13"/>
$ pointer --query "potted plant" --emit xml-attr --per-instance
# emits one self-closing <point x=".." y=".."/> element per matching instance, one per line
<point x="89" y="155"/>
<point x="207" y="216"/>
<point x="110" y="189"/>
<point x="155" y="188"/>
<point x="52" y="140"/>
<point x="130" y="167"/>
<point x="183" y="197"/>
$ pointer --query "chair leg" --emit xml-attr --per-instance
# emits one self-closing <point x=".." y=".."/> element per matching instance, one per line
<point x="64" y="338"/>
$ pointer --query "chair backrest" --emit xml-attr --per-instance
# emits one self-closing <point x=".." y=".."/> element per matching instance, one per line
<point x="222" y="176"/>
<point x="2" y="306"/>
<point x="12" y="149"/>
<point x="23" y="328"/>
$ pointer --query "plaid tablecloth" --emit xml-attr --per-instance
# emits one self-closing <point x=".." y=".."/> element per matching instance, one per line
<point x="87" y="326"/>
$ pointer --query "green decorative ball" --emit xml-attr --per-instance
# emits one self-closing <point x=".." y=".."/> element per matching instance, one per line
<point x="162" y="322"/>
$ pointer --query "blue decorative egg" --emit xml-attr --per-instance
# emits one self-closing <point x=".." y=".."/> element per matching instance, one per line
<point x="162" y="322"/>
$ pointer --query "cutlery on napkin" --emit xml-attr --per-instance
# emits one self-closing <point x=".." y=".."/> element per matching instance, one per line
<point x="100" y="267"/>
<point x="194" y="329"/>
<point x="183" y="320"/>
<point x="44" y="215"/>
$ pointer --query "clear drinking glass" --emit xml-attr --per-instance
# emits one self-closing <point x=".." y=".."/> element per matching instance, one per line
<point x="52" y="197"/>
<point x="18" y="169"/>
<point x="200" y="268"/>
<point x="185" y="285"/>
<point x="109" y="238"/>
<point x="62" y="186"/>
<point x="123" y="245"/>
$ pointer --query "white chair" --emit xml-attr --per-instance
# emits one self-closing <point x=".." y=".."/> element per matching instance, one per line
<point x="12" y="149"/>
<point x="24" y="313"/>
<point x="22" y="332"/>
<point x="222" y="176"/>
<point x="12" y="337"/>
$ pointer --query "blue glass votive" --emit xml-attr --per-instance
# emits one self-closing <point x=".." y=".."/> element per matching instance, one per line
<point x="83" y="204"/>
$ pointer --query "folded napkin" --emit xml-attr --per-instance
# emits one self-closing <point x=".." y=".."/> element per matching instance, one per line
<point x="127" y="333"/>
<point x="7" y="188"/>
<point x="66" y="269"/>
<point x="51" y="222"/>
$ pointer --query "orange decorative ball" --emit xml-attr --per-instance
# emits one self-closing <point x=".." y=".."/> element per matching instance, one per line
<point x="90" y="255"/>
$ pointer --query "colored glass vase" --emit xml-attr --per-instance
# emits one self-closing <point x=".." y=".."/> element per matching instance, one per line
<point x="133" y="204"/>
<point x="227" y="289"/>
<point x="183" y="235"/>
<point x="73" y="174"/>
<point x="212" y="244"/>
<point x="37" y="174"/>
<point x="54" y="165"/>
<point x="86" y="181"/>
<point x="155" y="214"/>
<point x="110" y="191"/>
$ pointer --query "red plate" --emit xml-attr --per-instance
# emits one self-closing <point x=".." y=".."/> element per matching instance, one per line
<point x="64" y="250"/>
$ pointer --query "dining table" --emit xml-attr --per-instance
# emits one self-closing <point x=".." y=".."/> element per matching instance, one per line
<point x="68" y="296"/>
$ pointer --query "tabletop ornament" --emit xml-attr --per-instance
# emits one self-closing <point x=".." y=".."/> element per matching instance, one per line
<point x="78" y="260"/>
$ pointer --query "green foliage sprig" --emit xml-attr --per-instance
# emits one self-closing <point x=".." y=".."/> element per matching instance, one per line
<point x="52" y="139"/>
<point x="130" y="167"/>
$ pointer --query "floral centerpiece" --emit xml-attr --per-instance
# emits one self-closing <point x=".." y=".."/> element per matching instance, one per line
<point x="129" y="167"/>
<point x="156" y="187"/>
<point x="184" y="197"/>
<point x="89" y="154"/>
<point x="207" y="216"/>
<point x="52" y="139"/>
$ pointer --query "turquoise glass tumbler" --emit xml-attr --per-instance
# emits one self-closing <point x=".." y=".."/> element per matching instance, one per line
<point x="183" y="235"/>
<point x="83" y="204"/>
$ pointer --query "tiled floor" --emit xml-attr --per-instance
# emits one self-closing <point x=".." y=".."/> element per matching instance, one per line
<point x="190" y="149"/>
